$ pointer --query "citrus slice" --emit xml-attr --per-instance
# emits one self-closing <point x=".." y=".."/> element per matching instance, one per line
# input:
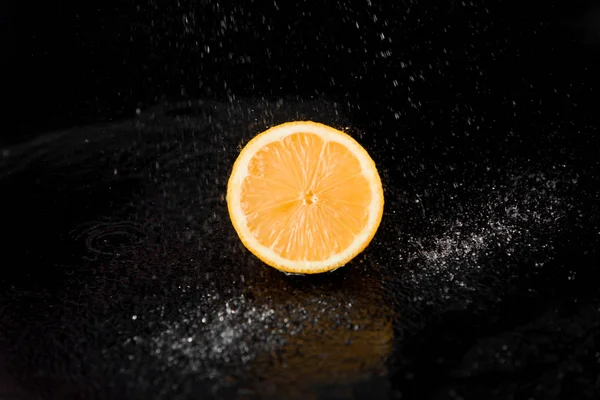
<point x="304" y="197"/>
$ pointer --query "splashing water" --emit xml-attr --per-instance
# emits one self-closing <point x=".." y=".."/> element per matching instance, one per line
<point x="507" y="219"/>
<point x="167" y="286"/>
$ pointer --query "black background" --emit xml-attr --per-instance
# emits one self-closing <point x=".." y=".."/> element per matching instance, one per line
<point x="431" y="83"/>
<point x="77" y="62"/>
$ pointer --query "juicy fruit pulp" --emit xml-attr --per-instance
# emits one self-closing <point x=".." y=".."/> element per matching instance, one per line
<point x="305" y="197"/>
<point x="296" y="192"/>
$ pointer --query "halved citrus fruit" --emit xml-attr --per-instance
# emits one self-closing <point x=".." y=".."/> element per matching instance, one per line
<point x="304" y="197"/>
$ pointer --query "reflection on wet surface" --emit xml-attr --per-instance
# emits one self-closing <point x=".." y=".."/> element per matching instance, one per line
<point x="134" y="283"/>
<point x="277" y="336"/>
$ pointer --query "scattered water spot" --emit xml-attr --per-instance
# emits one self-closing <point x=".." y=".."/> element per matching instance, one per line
<point x="202" y="340"/>
<point x="501" y="227"/>
<point x="190" y="301"/>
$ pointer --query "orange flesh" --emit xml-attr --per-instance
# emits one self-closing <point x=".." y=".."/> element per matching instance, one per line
<point x="305" y="198"/>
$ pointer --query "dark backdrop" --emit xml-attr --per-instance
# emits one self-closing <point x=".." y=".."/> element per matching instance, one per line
<point x="481" y="117"/>
<point x="71" y="63"/>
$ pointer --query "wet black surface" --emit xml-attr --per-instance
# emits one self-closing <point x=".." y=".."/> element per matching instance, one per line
<point x="123" y="278"/>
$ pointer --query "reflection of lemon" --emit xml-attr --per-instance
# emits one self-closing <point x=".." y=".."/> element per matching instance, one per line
<point x="304" y="197"/>
<point x="345" y="335"/>
<point x="328" y="352"/>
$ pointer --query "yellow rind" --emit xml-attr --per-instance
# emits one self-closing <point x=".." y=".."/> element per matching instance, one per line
<point x="250" y="147"/>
